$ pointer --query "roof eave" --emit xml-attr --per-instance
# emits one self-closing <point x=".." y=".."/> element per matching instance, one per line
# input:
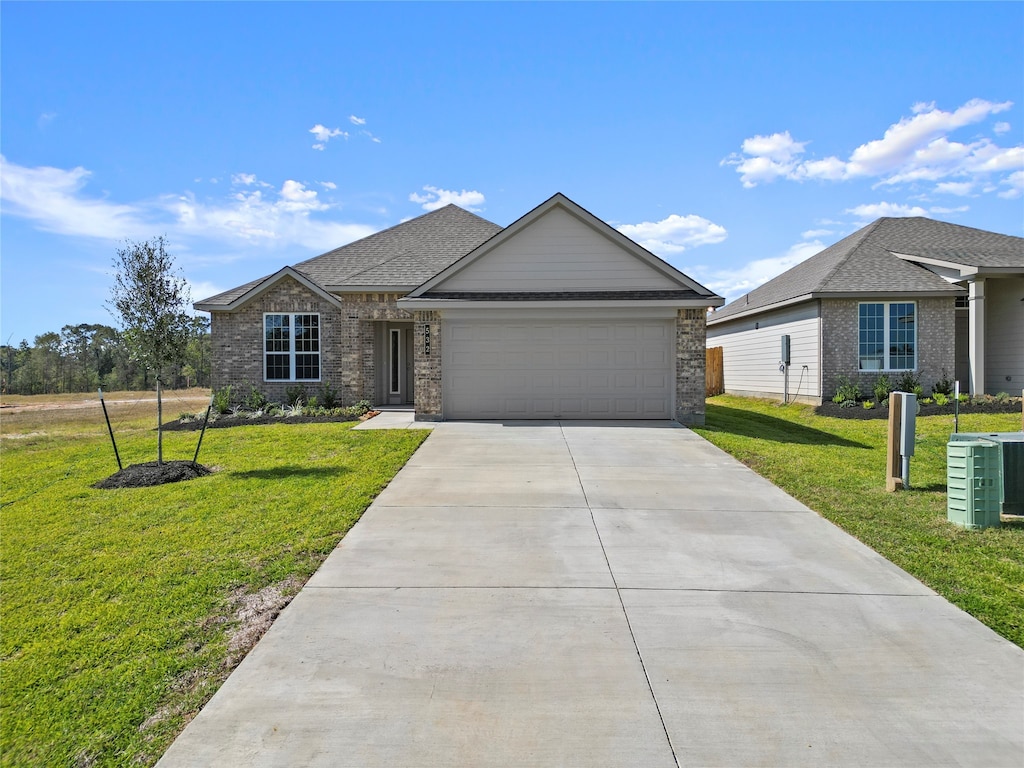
<point x="438" y="304"/>
<point x="264" y="286"/>
<point x="952" y="291"/>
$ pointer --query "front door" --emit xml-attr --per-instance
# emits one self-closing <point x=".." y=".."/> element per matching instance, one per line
<point x="398" y="367"/>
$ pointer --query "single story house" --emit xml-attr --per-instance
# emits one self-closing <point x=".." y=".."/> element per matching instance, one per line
<point x="558" y="315"/>
<point x="901" y="294"/>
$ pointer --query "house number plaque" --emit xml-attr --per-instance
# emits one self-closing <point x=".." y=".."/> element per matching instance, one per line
<point x="426" y="340"/>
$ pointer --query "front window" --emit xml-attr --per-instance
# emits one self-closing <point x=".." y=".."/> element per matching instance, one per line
<point x="291" y="347"/>
<point x="888" y="336"/>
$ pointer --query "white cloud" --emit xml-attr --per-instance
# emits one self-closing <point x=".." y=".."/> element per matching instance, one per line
<point x="872" y="211"/>
<point x="902" y="141"/>
<point x="1001" y="127"/>
<point x="57" y="200"/>
<point x="1016" y="184"/>
<point x="768" y="158"/>
<point x="959" y="188"/>
<point x="324" y="134"/>
<point x="733" y="283"/>
<point x="914" y="150"/>
<point x="203" y="289"/>
<point x="674" y="234"/>
<point x="45" y="119"/>
<point x="940" y="209"/>
<point x="357" y="120"/>
<point x="54" y="199"/>
<point x="327" y="184"/>
<point x="436" y="197"/>
<point x="811" y="234"/>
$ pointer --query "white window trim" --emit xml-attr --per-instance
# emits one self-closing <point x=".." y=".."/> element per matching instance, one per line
<point x="885" y="339"/>
<point x="291" y="347"/>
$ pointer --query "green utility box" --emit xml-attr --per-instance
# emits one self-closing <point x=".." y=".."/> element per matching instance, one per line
<point x="1011" y="466"/>
<point x="972" y="483"/>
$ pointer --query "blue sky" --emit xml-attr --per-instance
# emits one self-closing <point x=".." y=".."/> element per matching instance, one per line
<point x="731" y="139"/>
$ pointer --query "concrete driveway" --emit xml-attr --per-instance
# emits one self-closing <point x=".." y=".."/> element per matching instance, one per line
<point x="625" y="594"/>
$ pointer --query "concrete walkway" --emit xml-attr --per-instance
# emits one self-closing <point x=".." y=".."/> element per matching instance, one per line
<point x="574" y="594"/>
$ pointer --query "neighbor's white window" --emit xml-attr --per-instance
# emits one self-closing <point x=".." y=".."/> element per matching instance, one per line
<point x="888" y="336"/>
<point x="291" y="347"/>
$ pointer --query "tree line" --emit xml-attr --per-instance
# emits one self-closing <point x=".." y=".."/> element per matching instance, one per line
<point x="84" y="357"/>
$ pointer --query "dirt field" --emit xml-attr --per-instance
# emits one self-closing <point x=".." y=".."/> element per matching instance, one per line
<point x="21" y="414"/>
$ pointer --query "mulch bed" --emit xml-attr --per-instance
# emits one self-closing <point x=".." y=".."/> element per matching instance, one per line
<point x="1013" y="405"/>
<point x="243" y="421"/>
<point x="151" y="473"/>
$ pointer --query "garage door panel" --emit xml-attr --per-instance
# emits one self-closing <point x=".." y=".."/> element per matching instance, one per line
<point x="558" y="369"/>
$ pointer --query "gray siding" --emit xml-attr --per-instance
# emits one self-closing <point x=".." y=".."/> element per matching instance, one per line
<point x="558" y="252"/>
<point x="751" y="353"/>
<point x="1004" y="335"/>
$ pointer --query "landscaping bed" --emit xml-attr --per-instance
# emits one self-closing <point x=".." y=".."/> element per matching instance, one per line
<point x="244" y="420"/>
<point x="976" y="405"/>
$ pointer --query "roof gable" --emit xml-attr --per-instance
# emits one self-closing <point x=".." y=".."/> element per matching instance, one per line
<point x="236" y="297"/>
<point x="558" y="247"/>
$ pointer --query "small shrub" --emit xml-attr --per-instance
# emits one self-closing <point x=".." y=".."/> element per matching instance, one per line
<point x="943" y="386"/>
<point x="295" y="409"/>
<point x="907" y="382"/>
<point x="222" y="400"/>
<point x="235" y="410"/>
<point x="882" y="387"/>
<point x="848" y="404"/>
<point x="926" y="401"/>
<point x="964" y="398"/>
<point x="868" y="405"/>
<point x="313" y="402"/>
<point x="295" y="395"/>
<point x="941" y="398"/>
<point x="186" y="418"/>
<point x="1003" y="397"/>
<point x="327" y="396"/>
<point x="846" y="391"/>
<point x="255" y="400"/>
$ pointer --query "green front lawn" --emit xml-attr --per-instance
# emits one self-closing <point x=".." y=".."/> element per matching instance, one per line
<point x="123" y="611"/>
<point x="837" y="467"/>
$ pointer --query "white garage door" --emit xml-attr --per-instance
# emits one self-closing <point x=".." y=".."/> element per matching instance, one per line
<point x="588" y="369"/>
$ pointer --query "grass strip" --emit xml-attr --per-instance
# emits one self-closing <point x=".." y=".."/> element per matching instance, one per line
<point x="837" y="468"/>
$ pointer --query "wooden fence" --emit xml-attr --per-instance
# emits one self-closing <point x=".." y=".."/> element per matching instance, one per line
<point x="714" y="373"/>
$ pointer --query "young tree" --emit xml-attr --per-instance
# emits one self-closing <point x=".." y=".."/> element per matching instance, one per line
<point x="151" y="298"/>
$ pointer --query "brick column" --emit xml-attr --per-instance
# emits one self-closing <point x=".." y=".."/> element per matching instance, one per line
<point x="427" y="371"/>
<point x="691" y="334"/>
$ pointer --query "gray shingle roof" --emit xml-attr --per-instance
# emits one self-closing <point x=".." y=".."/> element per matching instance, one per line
<point x="863" y="263"/>
<point x="403" y="256"/>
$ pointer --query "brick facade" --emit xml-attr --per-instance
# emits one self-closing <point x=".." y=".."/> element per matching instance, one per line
<point x="840" y="350"/>
<point x="347" y="354"/>
<point x="691" y="331"/>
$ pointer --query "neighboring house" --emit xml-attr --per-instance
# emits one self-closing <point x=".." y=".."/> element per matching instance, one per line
<point x="902" y="294"/>
<point x="556" y="316"/>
